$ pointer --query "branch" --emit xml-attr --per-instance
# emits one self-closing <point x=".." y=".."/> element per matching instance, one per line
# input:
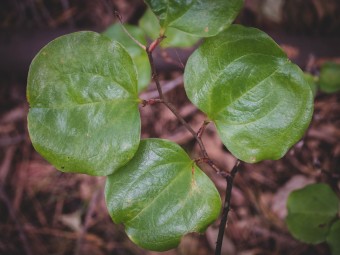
<point x="206" y="159"/>
<point x="172" y="108"/>
<point x="127" y="32"/>
<point x="166" y="88"/>
<point x="153" y="68"/>
<point x="226" y="208"/>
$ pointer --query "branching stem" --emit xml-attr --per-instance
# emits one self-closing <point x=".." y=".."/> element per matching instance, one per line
<point x="173" y="109"/>
<point x="197" y="135"/>
<point x="119" y="17"/>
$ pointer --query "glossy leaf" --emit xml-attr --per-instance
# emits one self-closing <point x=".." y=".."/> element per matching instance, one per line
<point x="333" y="238"/>
<point x="174" y="37"/>
<point x="138" y="55"/>
<point x="200" y="18"/>
<point x="81" y="88"/>
<point x="158" y="198"/>
<point x="260" y="102"/>
<point x="311" y="211"/>
<point x="330" y="77"/>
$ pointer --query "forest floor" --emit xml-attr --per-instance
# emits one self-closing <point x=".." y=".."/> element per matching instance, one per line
<point x="44" y="211"/>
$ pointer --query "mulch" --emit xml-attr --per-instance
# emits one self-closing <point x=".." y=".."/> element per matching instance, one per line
<point x="44" y="211"/>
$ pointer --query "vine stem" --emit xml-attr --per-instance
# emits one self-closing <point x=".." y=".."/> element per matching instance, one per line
<point x="172" y="108"/>
<point x="206" y="159"/>
<point x="119" y="17"/>
<point x="226" y="208"/>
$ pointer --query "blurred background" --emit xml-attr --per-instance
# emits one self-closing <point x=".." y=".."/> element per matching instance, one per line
<point x="44" y="211"/>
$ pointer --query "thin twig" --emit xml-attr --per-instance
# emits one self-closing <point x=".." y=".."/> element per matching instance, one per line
<point x="154" y="72"/>
<point x="226" y="208"/>
<point x="166" y="88"/>
<point x="173" y="109"/>
<point x="127" y="32"/>
<point x="202" y="128"/>
<point x="151" y="101"/>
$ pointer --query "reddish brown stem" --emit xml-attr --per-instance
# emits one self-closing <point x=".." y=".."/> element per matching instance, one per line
<point x="173" y="109"/>
<point x="205" y="159"/>
<point x="155" y="43"/>
<point x="151" y="101"/>
<point x="202" y="128"/>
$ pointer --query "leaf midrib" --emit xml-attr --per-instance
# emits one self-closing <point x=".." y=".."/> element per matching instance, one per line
<point x="168" y="24"/>
<point x="105" y="77"/>
<point x="221" y="72"/>
<point x="160" y="193"/>
<point x="86" y="104"/>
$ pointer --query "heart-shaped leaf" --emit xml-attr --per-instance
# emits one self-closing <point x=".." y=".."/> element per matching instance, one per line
<point x="160" y="196"/>
<point x="260" y="102"/>
<point x="174" y="37"/>
<point x="138" y="55"/>
<point x="310" y="212"/>
<point x="196" y="17"/>
<point x="81" y="88"/>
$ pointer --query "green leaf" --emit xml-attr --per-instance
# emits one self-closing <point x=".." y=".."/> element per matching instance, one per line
<point x="138" y="55"/>
<point x="260" y="102"/>
<point x="158" y="198"/>
<point x="81" y="88"/>
<point x="311" y="211"/>
<point x="330" y="77"/>
<point x="333" y="238"/>
<point x="174" y="37"/>
<point x="199" y="18"/>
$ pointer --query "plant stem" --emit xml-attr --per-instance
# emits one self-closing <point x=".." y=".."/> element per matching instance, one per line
<point x="173" y="109"/>
<point x="154" y="73"/>
<point x="127" y="32"/>
<point x="226" y="208"/>
<point x="206" y="159"/>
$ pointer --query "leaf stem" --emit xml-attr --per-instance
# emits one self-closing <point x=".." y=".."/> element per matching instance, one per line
<point x="226" y="207"/>
<point x="198" y="137"/>
<point x="173" y="109"/>
<point x="119" y="17"/>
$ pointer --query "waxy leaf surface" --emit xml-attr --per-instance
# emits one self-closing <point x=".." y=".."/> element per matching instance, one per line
<point x="82" y="91"/>
<point x="159" y="198"/>
<point x="138" y="55"/>
<point x="197" y="17"/>
<point x="260" y="102"/>
<point x="311" y="211"/>
<point x="174" y="37"/>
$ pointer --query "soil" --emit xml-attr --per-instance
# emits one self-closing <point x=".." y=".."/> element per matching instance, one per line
<point x="44" y="211"/>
